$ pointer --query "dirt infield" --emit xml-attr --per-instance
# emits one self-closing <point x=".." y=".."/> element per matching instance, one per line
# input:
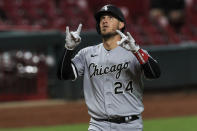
<point x="58" y="112"/>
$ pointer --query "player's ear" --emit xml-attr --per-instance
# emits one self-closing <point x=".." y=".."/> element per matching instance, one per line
<point x="121" y="25"/>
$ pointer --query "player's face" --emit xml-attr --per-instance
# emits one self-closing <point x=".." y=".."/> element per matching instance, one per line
<point x="109" y="24"/>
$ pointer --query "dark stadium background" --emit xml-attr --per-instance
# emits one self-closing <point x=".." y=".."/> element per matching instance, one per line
<point x="32" y="38"/>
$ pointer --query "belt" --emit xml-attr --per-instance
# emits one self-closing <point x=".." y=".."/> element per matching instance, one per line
<point x="118" y="120"/>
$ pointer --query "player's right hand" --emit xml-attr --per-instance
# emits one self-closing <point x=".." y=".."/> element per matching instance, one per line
<point x="72" y="38"/>
<point x="127" y="42"/>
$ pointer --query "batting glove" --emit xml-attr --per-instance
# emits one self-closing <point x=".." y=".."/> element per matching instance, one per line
<point x="72" y="38"/>
<point x="127" y="42"/>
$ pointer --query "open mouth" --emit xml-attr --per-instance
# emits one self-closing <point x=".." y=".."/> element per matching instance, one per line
<point x="105" y="26"/>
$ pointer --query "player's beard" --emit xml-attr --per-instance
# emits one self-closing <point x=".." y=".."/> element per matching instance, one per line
<point x="108" y="35"/>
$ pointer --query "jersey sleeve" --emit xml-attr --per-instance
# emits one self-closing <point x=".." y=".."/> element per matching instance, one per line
<point x="78" y="63"/>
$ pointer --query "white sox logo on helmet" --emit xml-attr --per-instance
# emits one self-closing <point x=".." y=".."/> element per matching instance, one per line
<point x="105" y="7"/>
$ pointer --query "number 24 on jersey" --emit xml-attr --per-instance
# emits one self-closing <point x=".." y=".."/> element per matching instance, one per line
<point x="119" y="87"/>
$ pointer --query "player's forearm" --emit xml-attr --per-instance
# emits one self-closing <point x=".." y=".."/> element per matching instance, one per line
<point x="65" y="70"/>
<point x="150" y="66"/>
<point x="151" y="69"/>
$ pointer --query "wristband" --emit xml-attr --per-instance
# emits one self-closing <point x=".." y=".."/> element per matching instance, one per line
<point x="141" y="56"/>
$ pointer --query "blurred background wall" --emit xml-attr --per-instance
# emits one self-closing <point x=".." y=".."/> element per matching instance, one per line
<point x="32" y="40"/>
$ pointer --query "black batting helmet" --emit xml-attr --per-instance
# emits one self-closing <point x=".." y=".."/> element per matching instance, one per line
<point x="111" y="9"/>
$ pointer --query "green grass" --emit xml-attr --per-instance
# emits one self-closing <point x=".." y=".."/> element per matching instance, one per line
<point x="165" y="124"/>
<point x="172" y="124"/>
<point x="78" y="127"/>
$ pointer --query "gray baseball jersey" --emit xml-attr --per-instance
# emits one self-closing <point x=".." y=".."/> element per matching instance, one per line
<point x="112" y="81"/>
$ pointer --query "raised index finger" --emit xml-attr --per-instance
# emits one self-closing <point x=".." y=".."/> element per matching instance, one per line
<point x="79" y="28"/>
<point x="120" y="33"/>
<point x="131" y="37"/>
<point x="67" y="31"/>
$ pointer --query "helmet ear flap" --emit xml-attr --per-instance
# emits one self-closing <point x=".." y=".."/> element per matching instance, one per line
<point x="123" y="29"/>
<point x="98" y="28"/>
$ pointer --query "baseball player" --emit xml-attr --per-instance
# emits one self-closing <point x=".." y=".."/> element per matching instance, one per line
<point x="112" y="73"/>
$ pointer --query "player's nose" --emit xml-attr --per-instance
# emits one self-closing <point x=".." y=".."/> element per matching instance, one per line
<point x="105" y="24"/>
<point x="104" y="20"/>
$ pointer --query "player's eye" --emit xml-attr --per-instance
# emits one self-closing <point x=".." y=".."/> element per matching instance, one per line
<point x="107" y="17"/>
<point x="102" y="17"/>
<point x="111" y="17"/>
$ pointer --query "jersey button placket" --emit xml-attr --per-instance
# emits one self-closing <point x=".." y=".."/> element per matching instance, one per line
<point x="107" y="84"/>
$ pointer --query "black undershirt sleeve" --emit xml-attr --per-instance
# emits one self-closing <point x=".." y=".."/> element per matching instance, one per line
<point x="65" y="70"/>
<point x="151" y="69"/>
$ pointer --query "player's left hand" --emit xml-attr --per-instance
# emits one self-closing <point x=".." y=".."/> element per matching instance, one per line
<point x="127" y="42"/>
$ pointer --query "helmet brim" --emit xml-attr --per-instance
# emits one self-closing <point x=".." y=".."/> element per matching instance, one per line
<point x="101" y="13"/>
